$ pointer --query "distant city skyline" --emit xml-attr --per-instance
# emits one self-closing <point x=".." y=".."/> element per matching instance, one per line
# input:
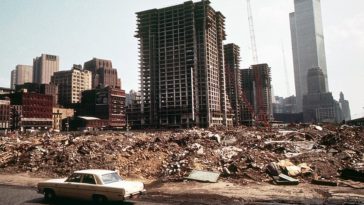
<point x="75" y="32"/>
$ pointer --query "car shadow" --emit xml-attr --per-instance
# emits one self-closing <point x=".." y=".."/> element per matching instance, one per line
<point x="65" y="201"/>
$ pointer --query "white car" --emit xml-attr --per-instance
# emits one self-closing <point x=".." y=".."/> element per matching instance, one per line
<point x="94" y="184"/>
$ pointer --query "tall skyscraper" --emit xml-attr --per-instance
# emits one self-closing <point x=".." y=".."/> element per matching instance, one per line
<point x="182" y="76"/>
<point x="44" y="67"/>
<point x="22" y="74"/>
<point x="13" y="79"/>
<point x="103" y="74"/>
<point x="308" y="45"/>
<point x="71" y="83"/>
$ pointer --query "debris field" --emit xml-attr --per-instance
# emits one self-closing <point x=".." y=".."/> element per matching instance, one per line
<point x="241" y="154"/>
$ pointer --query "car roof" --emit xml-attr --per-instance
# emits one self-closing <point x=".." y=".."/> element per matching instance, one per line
<point x="94" y="171"/>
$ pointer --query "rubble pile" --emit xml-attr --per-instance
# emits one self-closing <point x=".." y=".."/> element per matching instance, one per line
<point x="241" y="154"/>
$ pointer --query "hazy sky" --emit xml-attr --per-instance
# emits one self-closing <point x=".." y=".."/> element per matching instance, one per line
<point x="78" y="30"/>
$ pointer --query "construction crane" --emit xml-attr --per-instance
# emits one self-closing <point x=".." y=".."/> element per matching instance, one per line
<point x="258" y="114"/>
<point x="252" y="33"/>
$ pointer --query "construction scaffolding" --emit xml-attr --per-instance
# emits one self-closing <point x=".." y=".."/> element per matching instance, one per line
<point x="256" y="94"/>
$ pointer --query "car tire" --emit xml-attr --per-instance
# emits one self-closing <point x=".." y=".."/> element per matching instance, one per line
<point x="49" y="195"/>
<point x="99" y="199"/>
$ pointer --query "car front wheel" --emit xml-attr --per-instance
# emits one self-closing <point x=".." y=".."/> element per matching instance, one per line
<point x="49" y="195"/>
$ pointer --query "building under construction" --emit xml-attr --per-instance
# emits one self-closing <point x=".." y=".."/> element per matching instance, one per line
<point x="233" y="85"/>
<point x="256" y="88"/>
<point x="182" y="75"/>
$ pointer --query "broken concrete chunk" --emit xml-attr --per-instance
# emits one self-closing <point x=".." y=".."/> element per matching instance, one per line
<point x="215" y="137"/>
<point x="324" y="182"/>
<point x="293" y="171"/>
<point x="283" y="179"/>
<point x="204" y="176"/>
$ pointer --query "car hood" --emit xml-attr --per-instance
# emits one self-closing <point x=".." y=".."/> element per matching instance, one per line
<point x="130" y="187"/>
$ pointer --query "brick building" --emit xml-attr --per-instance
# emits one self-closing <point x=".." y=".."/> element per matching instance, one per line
<point x="103" y="74"/>
<point x="106" y="104"/>
<point x="5" y="114"/>
<point x="33" y="110"/>
<point x="46" y="89"/>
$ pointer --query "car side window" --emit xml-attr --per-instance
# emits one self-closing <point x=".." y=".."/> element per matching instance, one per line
<point x="88" y="179"/>
<point x="74" y="178"/>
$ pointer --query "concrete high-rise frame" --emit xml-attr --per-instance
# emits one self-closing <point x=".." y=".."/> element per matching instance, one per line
<point x="233" y="84"/>
<point x="256" y="85"/>
<point x="308" y="45"/>
<point x="182" y="74"/>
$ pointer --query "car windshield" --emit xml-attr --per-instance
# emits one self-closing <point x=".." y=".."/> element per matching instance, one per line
<point x="110" y="178"/>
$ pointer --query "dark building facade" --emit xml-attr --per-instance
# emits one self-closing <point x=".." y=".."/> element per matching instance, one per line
<point x="6" y="91"/>
<point x="103" y="74"/>
<point x="133" y="109"/>
<point x="106" y="104"/>
<point x="284" y="105"/>
<point x="182" y="74"/>
<point x="46" y="89"/>
<point x="233" y="85"/>
<point x="319" y="105"/>
<point x="344" y="104"/>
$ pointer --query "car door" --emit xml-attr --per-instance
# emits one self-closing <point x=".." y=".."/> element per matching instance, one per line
<point x="88" y="186"/>
<point x="71" y="186"/>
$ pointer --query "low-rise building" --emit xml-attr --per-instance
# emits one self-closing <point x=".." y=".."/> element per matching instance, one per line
<point x="105" y="103"/>
<point x="5" y="114"/>
<point x="46" y="89"/>
<point x="31" y="110"/>
<point x="59" y="114"/>
<point x="85" y="123"/>
<point x="133" y="109"/>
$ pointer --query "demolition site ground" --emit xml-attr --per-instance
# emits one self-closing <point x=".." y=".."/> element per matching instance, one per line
<point x="305" y="164"/>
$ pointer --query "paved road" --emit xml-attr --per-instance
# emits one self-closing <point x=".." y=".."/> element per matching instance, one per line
<point x="15" y="195"/>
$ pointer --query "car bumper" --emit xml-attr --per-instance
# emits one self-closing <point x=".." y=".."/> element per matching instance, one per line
<point x="135" y="194"/>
